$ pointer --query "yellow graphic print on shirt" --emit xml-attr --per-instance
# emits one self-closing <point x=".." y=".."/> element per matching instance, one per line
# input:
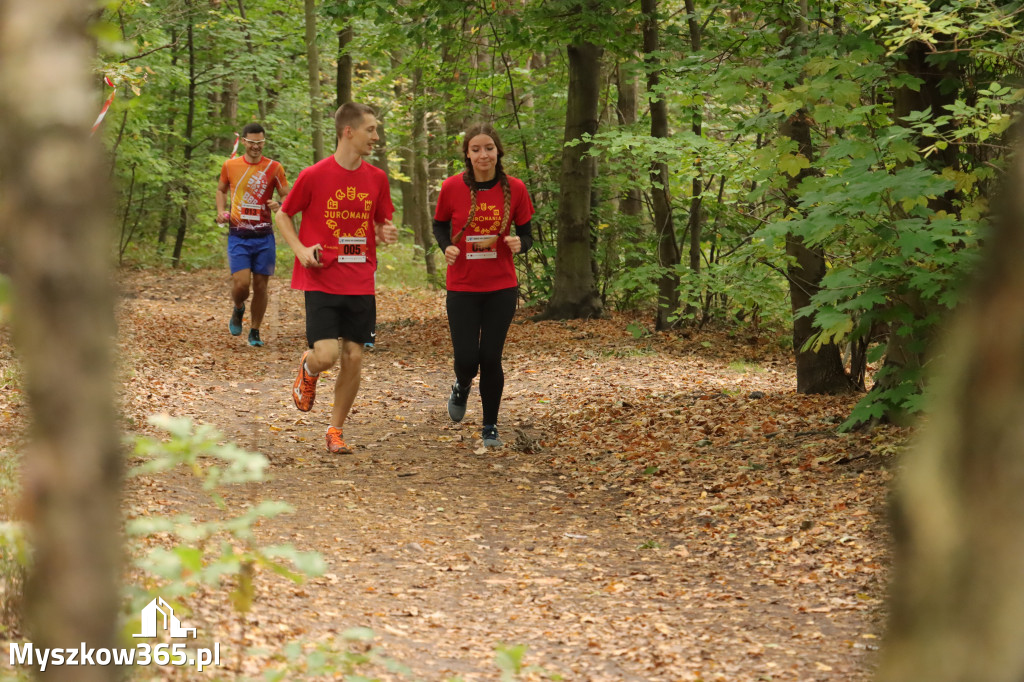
<point x="348" y="217"/>
<point x="482" y="239"/>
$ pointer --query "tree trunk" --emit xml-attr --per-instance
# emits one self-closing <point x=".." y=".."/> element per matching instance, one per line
<point x="817" y="371"/>
<point x="229" y="113"/>
<point x="183" y="216"/>
<point x="166" y="213"/>
<point x="406" y="166"/>
<point x="695" y="225"/>
<point x="664" y="227"/>
<point x="258" y="77"/>
<point x="57" y="232"/>
<point x="420" y="210"/>
<point x="575" y="293"/>
<point x="904" y="351"/>
<point x="958" y="588"/>
<point x="630" y="203"/>
<point x="408" y="198"/>
<point x="344" y="85"/>
<point x="380" y="150"/>
<point x="316" y="114"/>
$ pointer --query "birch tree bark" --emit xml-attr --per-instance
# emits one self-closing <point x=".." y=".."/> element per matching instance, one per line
<point x="55" y="226"/>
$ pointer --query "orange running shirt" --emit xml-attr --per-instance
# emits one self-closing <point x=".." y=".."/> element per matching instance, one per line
<point x="250" y="186"/>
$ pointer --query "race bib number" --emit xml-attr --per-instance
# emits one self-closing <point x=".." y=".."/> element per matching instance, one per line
<point x="351" y="249"/>
<point x="476" y="249"/>
<point x="251" y="212"/>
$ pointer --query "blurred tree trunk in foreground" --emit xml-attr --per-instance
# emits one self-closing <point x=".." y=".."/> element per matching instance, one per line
<point x="957" y="604"/>
<point x="54" y="225"/>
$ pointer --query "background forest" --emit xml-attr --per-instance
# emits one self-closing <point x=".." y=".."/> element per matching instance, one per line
<point x="820" y="169"/>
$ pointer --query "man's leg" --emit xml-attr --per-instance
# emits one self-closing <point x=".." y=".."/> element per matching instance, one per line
<point x="260" y="284"/>
<point x="240" y="262"/>
<point x="347" y="385"/>
<point x="323" y="356"/>
<point x="240" y="280"/>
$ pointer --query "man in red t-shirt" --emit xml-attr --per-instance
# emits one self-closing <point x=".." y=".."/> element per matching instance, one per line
<point x="245" y="200"/>
<point x="346" y="208"/>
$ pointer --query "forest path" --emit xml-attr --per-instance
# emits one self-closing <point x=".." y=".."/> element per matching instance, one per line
<point x="646" y="520"/>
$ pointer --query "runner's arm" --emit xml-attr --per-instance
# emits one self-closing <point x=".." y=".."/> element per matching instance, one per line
<point x="525" y="234"/>
<point x="223" y="205"/>
<point x="282" y="191"/>
<point x="443" y="233"/>
<point x="307" y="255"/>
<point x="387" y="232"/>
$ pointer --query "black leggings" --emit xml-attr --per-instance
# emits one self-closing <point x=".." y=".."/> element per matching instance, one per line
<point x="479" y="322"/>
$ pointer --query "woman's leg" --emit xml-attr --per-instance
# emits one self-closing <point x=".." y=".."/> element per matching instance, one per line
<point x="464" y="312"/>
<point x="497" y="311"/>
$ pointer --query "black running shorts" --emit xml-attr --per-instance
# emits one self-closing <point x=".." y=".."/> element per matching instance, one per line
<point x="333" y="316"/>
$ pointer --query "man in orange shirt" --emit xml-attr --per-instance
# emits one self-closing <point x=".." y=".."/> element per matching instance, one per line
<point x="245" y="202"/>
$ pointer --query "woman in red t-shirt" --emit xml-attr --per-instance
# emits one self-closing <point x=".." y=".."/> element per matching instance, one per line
<point x="473" y="226"/>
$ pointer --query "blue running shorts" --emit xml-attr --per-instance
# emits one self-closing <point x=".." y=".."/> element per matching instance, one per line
<point x="258" y="254"/>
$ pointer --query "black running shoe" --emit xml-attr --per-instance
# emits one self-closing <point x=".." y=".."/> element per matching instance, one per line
<point x="457" y="402"/>
<point x="490" y="436"/>
<point x="235" y="324"/>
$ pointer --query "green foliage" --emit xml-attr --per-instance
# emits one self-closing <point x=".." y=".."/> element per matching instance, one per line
<point x="5" y="298"/>
<point x="509" y="659"/>
<point x="15" y="560"/>
<point x="208" y="552"/>
<point x="349" y="656"/>
<point x="401" y="265"/>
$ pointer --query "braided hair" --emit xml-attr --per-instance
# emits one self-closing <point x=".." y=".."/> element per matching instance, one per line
<point x="506" y="190"/>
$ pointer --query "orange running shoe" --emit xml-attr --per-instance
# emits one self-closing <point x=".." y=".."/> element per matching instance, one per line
<point x="304" y="390"/>
<point x="335" y="442"/>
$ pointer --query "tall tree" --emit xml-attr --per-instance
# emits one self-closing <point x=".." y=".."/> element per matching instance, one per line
<point x="819" y="367"/>
<point x="575" y="293"/>
<point x="664" y="227"/>
<point x="419" y="211"/>
<point x="313" y="64"/>
<point x="344" y="84"/>
<point x="257" y="76"/>
<point x="631" y="202"/>
<point x="695" y="223"/>
<point x="56" y="230"/>
<point x="958" y="588"/>
<point x="184" y="212"/>
<point x="935" y="87"/>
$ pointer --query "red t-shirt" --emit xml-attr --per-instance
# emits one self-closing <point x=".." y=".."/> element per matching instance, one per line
<point x="340" y="209"/>
<point x="250" y="186"/>
<point x="476" y="268"/>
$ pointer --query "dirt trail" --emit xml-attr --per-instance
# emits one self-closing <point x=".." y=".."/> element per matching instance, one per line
<point x="444" y="552"/>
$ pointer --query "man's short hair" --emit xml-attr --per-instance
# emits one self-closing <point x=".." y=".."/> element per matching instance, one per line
<point x="252" y="128"/>
<point x="350" y="114"/>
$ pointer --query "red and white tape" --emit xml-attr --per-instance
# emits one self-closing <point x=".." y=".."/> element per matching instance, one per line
<point x="235" y="148"/>
<point x="106" y="105"/>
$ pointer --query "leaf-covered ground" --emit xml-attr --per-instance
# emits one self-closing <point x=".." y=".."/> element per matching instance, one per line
<point x="665" y="508"/>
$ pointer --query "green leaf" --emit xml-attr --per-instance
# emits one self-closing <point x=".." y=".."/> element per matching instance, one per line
<point x="792" y="164"/>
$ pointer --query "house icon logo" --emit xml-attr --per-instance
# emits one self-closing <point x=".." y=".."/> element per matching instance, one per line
<point x="158" y="610"/>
